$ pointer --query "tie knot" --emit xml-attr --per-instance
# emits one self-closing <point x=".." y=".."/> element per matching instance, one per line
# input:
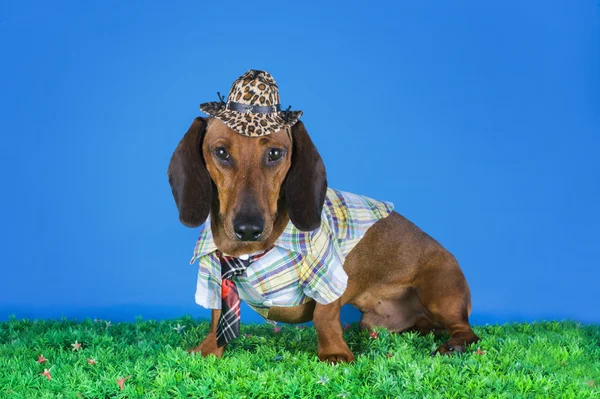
<point x="232" y="266"/>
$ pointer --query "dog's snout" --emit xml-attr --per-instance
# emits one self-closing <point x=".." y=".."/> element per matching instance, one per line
<point x="248" y="229"/>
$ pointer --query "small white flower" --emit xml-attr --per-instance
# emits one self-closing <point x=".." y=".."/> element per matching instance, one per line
<point x="179" y="328"/>
<point x="323" y="380"/>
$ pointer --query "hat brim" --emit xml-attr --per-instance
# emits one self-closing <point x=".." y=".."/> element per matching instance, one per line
<point x="251" y="124"/>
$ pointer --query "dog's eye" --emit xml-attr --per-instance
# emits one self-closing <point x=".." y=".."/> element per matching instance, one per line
<point x="275" y="154"/>
<point x="221" y="153"/>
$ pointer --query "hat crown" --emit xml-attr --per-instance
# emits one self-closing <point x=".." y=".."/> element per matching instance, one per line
<point x="255" y="88"/>
<point x="253" y="106"/>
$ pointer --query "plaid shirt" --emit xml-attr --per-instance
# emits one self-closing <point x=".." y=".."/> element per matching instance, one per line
<point x="301" y="265"/>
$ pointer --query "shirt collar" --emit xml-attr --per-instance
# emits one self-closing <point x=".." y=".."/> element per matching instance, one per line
<point x="291" y="239"/>
<point x="205" y="244"/>
<point x="294" y="240"/>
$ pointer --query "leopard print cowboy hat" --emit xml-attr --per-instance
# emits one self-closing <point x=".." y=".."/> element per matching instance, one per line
<point x="252" y="108"/>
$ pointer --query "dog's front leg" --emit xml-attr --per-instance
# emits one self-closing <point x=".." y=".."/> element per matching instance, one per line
<point x="331" y="345"/>
<point x="209" y="345"/>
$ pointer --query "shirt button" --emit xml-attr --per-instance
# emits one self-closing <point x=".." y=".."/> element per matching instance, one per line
<point x="268" y="303"/>
<point x="244" y="257"/>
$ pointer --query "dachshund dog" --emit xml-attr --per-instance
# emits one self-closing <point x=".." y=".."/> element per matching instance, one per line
<point x="398" y="277"/>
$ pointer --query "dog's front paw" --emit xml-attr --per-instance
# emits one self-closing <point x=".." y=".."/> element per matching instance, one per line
<point x="204" y="351"/>
<point x="208" y="347"/>
<point x="335" y="357"/>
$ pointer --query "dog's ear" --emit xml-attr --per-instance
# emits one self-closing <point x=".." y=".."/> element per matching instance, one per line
<point x="306" y="182"/>
<point x="189" y="178"/>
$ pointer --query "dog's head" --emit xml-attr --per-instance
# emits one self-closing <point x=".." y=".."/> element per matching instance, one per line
<point x="250" y="184"/>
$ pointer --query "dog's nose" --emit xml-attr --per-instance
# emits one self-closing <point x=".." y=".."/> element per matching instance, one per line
<point x="248" y="230"/>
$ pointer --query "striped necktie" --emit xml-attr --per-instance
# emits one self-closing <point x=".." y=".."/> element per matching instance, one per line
<point x="228" y="327"/>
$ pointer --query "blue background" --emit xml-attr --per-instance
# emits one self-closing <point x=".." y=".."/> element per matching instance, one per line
<point x="479" y="120"/>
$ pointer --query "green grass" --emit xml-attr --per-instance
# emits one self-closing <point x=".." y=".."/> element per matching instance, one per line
<point x="539" y="360"/>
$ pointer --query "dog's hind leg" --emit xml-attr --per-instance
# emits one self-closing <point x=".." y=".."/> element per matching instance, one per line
<point x="446" y="299"/>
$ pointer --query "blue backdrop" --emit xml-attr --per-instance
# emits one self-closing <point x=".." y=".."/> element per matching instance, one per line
<point x="479" y="120"/>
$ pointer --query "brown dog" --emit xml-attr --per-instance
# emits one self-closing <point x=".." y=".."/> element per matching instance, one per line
<point x="398" y="277"/>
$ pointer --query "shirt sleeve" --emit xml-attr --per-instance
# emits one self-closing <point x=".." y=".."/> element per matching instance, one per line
<point x="349" y="216"/>
<point x="208" y="287"/>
